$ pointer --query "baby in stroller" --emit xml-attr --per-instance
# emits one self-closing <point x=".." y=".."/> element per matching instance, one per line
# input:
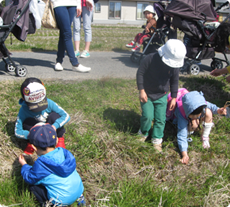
<point x="150" y="15"/>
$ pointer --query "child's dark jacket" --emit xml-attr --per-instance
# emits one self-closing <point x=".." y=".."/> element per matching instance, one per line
<point x="157" y="78"/>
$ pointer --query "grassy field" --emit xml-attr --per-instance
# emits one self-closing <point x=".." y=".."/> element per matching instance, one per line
<point x="116" y="168"/>
<point x="105" y="38"/>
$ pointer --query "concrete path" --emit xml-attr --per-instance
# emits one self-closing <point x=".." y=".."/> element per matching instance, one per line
<point x="103" y="64"/>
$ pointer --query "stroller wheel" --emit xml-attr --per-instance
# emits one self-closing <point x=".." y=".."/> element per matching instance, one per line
<point x="9" y="67"/>
<point x="136" y="57"/>
<point x="194" y="69"/>
<point x="21" y="71"/>
<point x="216" y="64"/>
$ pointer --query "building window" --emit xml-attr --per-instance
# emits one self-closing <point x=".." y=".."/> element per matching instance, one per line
<point x="97" y="8"/>
<point x="115" y="10"/>
<point x="140" y="9"/>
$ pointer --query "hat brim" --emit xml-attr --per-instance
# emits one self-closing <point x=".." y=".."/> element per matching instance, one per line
<point x="169" y="61"/>
<point x="172" y="63"/>
<point x="37" y="107"/>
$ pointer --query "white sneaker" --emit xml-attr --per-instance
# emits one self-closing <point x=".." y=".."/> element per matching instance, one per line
<point x="142" y="136"/>
<point x="85" y="54"/>
<point x="58" y="67"/>
<point x="81" y="68"/>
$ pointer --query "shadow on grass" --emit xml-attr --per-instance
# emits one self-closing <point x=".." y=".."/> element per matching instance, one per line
<point x="214" y="90"/>
<point x="19" y="143"/>
<point x="123" y="120"/>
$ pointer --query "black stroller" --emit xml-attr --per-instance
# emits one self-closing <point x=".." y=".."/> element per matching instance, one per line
<point x="18" y="21"/>
<point x="157" y="39"/>
<point x="191" y="17"/>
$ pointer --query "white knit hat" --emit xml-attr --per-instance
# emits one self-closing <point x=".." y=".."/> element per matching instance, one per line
<point x="173" y="53"/>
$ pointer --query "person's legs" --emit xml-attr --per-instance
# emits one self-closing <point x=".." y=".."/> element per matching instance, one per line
<point x="77" y="33"/>
<point x="146" y="117"/>
<point x="87" y="19"/>
<point x="64" y="17"/>
<point x="159" y="120"/>
<point x="40" y="193"/>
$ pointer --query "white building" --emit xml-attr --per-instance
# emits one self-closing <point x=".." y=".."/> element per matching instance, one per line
<point x="120" y="12"/>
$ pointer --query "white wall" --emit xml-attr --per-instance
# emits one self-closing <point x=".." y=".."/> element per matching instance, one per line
<point x="128" y="14"/>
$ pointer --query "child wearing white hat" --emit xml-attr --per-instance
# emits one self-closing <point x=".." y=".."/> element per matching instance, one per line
<point x="151" y="16"/>
<point x="158" y="74"/>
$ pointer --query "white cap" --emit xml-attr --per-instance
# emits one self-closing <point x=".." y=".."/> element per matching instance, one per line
<point x="150" y="9"/>
<point x="173" y="53"/>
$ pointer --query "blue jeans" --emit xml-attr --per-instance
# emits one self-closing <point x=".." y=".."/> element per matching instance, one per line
<point x="64" y="16"/>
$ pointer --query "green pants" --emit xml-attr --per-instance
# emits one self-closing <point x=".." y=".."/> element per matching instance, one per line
<point x="154" y="110"/>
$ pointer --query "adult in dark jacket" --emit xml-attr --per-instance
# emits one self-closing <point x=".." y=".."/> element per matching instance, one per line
<point x="157" y="75"/>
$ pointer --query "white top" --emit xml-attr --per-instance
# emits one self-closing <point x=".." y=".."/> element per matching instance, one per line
<point x="57" y="3"/>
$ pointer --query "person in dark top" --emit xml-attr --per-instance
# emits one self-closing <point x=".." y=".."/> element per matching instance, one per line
<point x="157" y="75"/>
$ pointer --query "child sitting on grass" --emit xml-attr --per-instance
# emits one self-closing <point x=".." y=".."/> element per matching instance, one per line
<point x="192" y="109"/>
<point x="150" y="15"/>
<point x="53" y="177"/>
<point x="35" y="108"/>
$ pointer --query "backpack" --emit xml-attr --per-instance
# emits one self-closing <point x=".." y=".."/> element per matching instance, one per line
<point x="170" y="114"/>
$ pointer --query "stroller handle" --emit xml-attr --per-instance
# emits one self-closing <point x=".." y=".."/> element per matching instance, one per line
<point x="222" y="5"/>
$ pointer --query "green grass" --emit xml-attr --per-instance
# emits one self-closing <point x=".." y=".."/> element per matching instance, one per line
<point x="116" y="168"/>
<point x="104" y="38"/>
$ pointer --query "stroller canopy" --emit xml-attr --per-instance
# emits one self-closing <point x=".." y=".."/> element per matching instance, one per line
<point x="192" y="9"/>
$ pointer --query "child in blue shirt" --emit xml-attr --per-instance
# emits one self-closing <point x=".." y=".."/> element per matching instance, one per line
<point x="53" y="177"/>
<point x="35" y="108"/>
<point x="192" y="109"/>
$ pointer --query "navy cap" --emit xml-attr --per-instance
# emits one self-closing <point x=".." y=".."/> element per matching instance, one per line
<point x="42" y="135"/>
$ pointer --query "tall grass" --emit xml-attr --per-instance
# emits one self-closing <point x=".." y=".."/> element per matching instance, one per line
<point x="116" y="168"/>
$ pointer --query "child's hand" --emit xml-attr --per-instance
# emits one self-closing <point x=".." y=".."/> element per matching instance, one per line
<point x="146" y="30"/>
<point x="185" y="158"/>
<point x="228" y="79"/>
<point x="172" y="104"/>
<point x="22" y="160"/>
<point x="222" y="111"/>
<point x="78" y="12"/>
<point x="89" y="5"/>
<point x="143" y="96"/>
<point x="54" y="128"/>
<point x="215" y="72"/>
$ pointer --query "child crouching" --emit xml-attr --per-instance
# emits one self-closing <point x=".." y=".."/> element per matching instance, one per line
<point x="53" y="177"/>
<point x="36" y="108"/>
<point x="192" y="109"/>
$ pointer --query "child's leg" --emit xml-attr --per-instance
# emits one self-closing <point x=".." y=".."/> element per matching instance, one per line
<point x="141" y="38"/>
<point x="146" y="117"/>
<point x="27" y="125"/>
<point x="207" y="126"/>
<point x="137" y="37"/>
<point x="53" y="116"/>
<point x="40" y="193"/>
<point x="160" y="106"/>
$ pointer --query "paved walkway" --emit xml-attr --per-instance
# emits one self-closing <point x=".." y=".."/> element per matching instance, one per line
<point x="103" y="64"/>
